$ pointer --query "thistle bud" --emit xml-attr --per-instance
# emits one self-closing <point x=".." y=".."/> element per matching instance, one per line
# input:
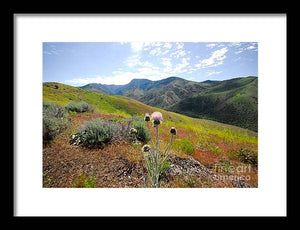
<point x="147" y="117"/>
<point x="133" y="131"/>
<point x="146" y="148"/>
<point x="156" y="123"/>
<point x="173" y="131"/>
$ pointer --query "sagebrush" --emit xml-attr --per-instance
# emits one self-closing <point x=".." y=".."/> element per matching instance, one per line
<point x="79" y="107"/>
<point x="54" y="121"/>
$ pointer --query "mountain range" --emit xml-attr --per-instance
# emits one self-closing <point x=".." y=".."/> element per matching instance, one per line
<point x="233" y="101"/>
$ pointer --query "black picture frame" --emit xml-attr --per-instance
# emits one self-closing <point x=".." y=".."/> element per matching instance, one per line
<point x="79" y="220"/>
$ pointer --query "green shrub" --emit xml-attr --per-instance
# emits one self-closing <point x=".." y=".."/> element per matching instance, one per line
<point x="73" y="107"/>
<point x="184" y="145"/>
<point x="132" y="120"/>
<point x="79" y="107"/>
<point x="53" y="110"/>
<point x="247" y="156"/>
<point x="143" y="134"/>
<point x="51" y="128"/>
<point x="214" y="149"/>
<point x="96" y="133"/>
<point x="54" y="121"/>
<point x="115" y="120"/>
<point x="226" y="166"/>
<point x="165" y="167"/>
<point x="83" y="181"/>
<point x="46" y="104"/>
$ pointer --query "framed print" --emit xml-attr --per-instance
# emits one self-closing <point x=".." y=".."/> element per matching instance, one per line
<point x="125" y="113"/>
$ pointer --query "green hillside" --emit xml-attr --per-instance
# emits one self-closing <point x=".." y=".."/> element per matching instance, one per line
<point x="117" y="105"/>
<point x="110" y="104"/>
<point x="232" y="102"/>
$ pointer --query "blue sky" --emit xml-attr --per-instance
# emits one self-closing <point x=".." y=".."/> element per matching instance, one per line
<point x="80" y="63"/>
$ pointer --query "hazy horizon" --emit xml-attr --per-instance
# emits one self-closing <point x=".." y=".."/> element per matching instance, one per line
<point x="152" y="80"/>
<point x="117" y="63"/>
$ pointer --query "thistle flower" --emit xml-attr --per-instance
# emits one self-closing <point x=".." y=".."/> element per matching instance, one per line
<point x="133" y="131"/>
<point x="157" y="118"/>
<point x="147" y="117"/>
<point x="146" y="148"/>
<point x="173" y="130"/>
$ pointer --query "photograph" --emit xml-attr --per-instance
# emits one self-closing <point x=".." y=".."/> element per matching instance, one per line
<point x="140" y="114"/>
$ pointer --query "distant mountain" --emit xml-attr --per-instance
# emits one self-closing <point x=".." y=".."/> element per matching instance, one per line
<point x="108" y="89"/>
<point x="160" y="93"/>
<point x="167" y="92"/>
<point x="210" y="82"/>
<point x="231" y="101"/>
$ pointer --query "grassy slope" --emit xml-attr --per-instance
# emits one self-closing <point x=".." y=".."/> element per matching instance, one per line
<point x="120" y="106"/>
<point x="213" y="141"/>
<point x="233" y="102"/>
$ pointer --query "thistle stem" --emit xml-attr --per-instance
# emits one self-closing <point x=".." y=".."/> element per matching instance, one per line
<point x="166" y="153"/>
<point x="169" y="145"/>
<point x="156" y="157"/>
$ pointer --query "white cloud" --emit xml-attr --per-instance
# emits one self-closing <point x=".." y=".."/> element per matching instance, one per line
<point x="156" y="51"/>
<point x="167" y="65"/>
<point x="213" y="73"/>
<point x="250" y="47"/>
<point x="149" y="45"/>
<point x="178" y="54"/>
<point x="179" y="45"/>
<point x="157" y="44"/>
<point x="136" y="46"/>
<point x="165" y="52"/>
<point x="147" y="64"/>
<point x="141" y="70"/>
<point x="52" y="50"/>
<point x="133" y="60"/>
<point x="181" y="53"/>
<point x="181" y="67"/>
<point x="211" y="45"/>
<point x="119" y="77"/>
<point x="166" y="62"/>
<point x="167" y="45"/>
<point x="157" y="48"/>
<point x="235" y="44"/>
<point x="215" y="59"/>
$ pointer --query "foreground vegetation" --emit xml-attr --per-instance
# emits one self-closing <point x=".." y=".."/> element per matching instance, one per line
<point x="115" y="160"/>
